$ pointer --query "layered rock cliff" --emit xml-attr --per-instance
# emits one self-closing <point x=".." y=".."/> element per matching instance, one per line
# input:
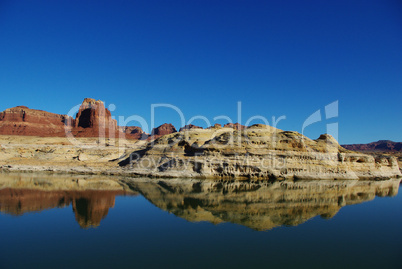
<point x="259" y="152"/>
<point x="92" y="120"/>
<point x="22" y="120"/>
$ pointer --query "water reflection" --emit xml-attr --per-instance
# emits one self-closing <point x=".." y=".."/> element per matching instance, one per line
<point x="259" y="206"/>
<point x="91" y="198"/>
<point x="89" y="207"/>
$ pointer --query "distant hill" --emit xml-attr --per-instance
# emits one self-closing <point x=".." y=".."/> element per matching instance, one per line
<point x="380" y="145"/>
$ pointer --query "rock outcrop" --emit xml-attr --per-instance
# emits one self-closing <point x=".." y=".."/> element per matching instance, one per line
<point x="215" y="126"/>
<point x="164" y="129"/>
<point x="22" y="120"/>
<point x="258" y="152"/>
<point x="236" y="126"/>
<point x="189" y="127"/>
<point x="133" y="132"/>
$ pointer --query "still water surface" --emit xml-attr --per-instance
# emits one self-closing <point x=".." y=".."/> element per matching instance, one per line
<point x="50" y="221"/>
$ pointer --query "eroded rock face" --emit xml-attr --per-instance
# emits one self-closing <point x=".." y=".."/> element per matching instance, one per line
<point x="93" y="114"/>
<point x="258" y="152"/>
<point x="94" y="120"/>
<point x="22" y="120"/>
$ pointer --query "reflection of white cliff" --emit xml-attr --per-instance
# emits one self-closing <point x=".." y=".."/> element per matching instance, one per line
<point x="260" y="206"/>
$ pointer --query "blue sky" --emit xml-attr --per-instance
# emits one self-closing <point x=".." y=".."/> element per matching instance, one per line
<point x="277" y="58"/>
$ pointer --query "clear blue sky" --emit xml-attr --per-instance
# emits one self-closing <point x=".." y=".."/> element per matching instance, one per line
<point x="277" y="57"/>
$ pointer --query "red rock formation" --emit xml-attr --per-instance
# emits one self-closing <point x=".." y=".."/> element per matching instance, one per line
<point x="380" y="146"/>
<point x="189" y="126"/>
<point x="21" y="120"/>
<point x="90" y="206"/>
<point x="133" y="132"/>
<point x="166" y="128"/>
<point x="236" y="126"/>
<point x="94" y="120"/>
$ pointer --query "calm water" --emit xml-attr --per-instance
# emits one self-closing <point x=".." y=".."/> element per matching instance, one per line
<point x="76" y="222"/>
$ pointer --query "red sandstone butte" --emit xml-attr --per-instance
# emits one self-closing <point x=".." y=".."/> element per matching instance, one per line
<point x="94" y="120"/>
<point x="22" y="120"/>
<point x="166" y="128"/>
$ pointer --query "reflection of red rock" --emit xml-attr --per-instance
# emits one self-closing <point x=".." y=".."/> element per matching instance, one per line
<point x="21" y="120"/>
<point x="21" y="201"/>
<point x="90" y="207"/>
